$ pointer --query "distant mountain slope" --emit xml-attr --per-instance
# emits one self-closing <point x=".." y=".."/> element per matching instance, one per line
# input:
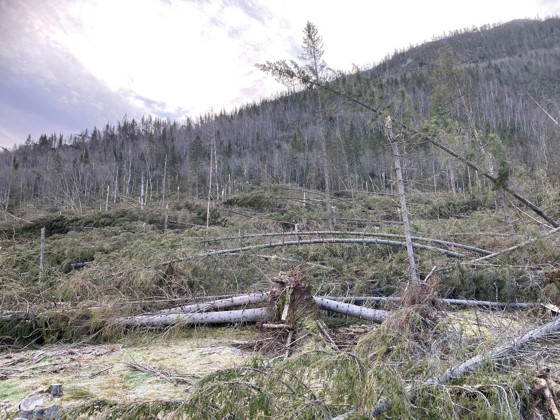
<point x="478" y="45"/>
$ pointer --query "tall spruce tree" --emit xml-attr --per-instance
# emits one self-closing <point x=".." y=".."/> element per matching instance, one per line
<point x="311" y="73"/>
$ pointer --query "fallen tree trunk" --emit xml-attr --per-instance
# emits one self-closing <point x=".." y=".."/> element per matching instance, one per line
<point x="356" y="311"/>
<point x="219" y="304"/>
<point x="472" y="364"/>
<point x="369" y="241"/>
<point x="497" y="353"/>
<point x="245" y="315"/>
<point x="513" y="248"/>
<point x="461" y="302"/>
<point x="196" y="318"/>
<point x="347" y="233"/>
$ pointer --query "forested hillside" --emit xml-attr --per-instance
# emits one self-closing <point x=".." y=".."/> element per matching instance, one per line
<point x="502" y="81"/>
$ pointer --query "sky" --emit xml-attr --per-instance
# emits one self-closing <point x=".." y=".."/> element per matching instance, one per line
<point x="70" y="65"/>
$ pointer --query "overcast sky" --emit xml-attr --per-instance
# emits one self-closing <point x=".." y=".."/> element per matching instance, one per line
<point x="68" y="65"/>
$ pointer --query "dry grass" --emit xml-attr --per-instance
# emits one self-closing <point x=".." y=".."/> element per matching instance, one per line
<point x="127" y="275"/>
<point x="88" y="372"/>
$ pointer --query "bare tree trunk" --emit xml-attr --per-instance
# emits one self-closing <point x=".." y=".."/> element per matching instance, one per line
<point x="164" y="181"/>
<point x="316" y="233"/>
<point x="107" y="198"/>
<point x="324" y="161"/>
<point x="195" y="318"/>
<point x="116" y="185"/>
<point x="497" y="353"/>
<point x="373" y="241"/>
<point x="142" y="192"/>
<point x="414" y="276"/>
<point x="209" y="193"/>
<point x="42" y="255"/>
<point x="513" y="248"/>
<point x="459" y="302"/>
<point x="356" y="311"/>
<point x="501" y="197"/>
<point x="219" y="304"/>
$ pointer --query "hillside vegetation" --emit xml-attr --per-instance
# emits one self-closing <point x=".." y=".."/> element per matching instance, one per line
<point x="148" y="215"/>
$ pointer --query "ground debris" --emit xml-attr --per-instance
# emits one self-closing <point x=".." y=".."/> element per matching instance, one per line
<point x="174" y="377"/>
<point x="346" y="338"/>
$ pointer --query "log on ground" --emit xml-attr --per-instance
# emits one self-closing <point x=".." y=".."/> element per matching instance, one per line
<point x="195" y="318"/>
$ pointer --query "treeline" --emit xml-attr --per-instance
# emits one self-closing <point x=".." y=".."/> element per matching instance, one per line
<point x="494" y="89"/>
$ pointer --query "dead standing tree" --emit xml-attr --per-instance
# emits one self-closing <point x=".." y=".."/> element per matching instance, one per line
<point x="397" y="161"/>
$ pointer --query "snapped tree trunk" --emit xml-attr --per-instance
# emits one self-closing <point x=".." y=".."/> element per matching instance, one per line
<point x="209" y="193"/>
<point x="219" y="304"/>
<point x="356" y="311"/>
<point x="414" y="276"/>
<point x="197" y="318"/>
<point x="324" y="161"/>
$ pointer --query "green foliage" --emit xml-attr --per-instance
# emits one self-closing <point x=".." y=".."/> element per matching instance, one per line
<point x="308" y="386"/>
<point x="451" y="208"/>
<point x="200" y="214"/>
<point x="256" y="200"/>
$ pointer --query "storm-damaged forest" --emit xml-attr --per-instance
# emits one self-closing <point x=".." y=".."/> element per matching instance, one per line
<point x="388" y="234"/>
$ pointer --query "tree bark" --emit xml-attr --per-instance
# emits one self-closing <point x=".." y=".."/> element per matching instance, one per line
<point x="397" y="160"/>
<point x="196" y="318"/>
<point x="372" y="241"/>
<point x="460" y="302"/>
<point x="347" y="233"/>
<point x="374" y="315"/>
<point x="219" y="304"/>
<point x="507" y="349"/>
<point x="513" y="248"/>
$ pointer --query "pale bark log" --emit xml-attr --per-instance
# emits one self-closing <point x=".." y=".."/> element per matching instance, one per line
<point x="497" y="353"/>
<point x="368" y="314"/>
<point x="231" y="302"/>
<point x="347" y="233"/>
<point x="460" y="302"/>
<point x="196" y="318"/>
<point x="513" y="248"/>
<point x="397" y="161"/>
<point x="473" y="364"/>
<point x="372" y="241"/>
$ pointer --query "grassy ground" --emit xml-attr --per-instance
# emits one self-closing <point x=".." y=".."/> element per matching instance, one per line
<point x="55" y="324"/>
